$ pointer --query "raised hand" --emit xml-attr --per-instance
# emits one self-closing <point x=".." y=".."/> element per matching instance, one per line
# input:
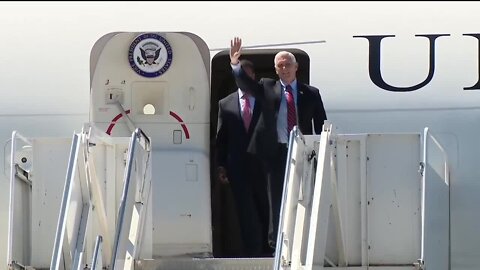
<point x="222" y="175"/>
<point x="235" y="50"/>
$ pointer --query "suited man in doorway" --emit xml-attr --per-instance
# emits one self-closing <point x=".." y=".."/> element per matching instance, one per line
<point x="286" y="102"/>
<point x="238" y="115"/>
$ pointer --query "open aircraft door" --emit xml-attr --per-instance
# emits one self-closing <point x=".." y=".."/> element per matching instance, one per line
<point x="159" y="82"/>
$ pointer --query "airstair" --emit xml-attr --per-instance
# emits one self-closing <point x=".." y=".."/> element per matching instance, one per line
<point x="365" y="201"/>
<point x="132" y="189"/>
<point x="351" y="201"/>
<point x="82" y="211"/>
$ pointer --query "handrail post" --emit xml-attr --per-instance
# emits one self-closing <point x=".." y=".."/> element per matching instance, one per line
<point x="11" y="209"/>
<point x="60" y="234"/>
<point x="137" y="136"/>
<point x="97" y="254"/>
<point x="280" y="236"/>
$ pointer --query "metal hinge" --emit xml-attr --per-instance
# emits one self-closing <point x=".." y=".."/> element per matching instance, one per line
<point x="311" y="155"/>
<point x="421" y="168"/>
<point x="419" y="265"/>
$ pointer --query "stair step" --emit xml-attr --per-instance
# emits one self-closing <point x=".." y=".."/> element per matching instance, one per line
<point x="205" y="264"/>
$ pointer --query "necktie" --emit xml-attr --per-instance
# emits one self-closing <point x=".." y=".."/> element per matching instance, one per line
<point x="247" y="112"/>
<point x="291" y="113"/>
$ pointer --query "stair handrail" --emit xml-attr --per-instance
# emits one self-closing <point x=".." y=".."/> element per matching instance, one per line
<point x="97" y="262"/>
<point x="427" y="134"/>
<point x="62" y="220"/>
<point x="137" y="136"/>
<point x="15" y="136"/>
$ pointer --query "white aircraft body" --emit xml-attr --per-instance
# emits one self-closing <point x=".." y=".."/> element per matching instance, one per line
<point x="387" y="69"/>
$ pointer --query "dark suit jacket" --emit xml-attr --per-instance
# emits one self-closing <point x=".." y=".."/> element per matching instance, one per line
<point x="268" y="92"/>
<point x="232" y="138"/>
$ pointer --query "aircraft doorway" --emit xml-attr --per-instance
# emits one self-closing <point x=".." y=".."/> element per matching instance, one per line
<point x="225" y="229"/>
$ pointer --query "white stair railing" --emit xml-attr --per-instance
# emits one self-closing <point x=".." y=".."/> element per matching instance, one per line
<point x="435" y="197"/>
<point x="12" y="215"/>
<point x="97" y="262"/>
<point x="366" y="192"/>
<point x="296" y="202"/>
<point x="134" y="203"/>
<point x="62" y="246"/>
<point x="321" y="202"/>
<point x="83" y="189"/>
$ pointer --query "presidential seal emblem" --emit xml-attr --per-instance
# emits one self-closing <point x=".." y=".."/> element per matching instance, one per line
<point x="150" y="55"/>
